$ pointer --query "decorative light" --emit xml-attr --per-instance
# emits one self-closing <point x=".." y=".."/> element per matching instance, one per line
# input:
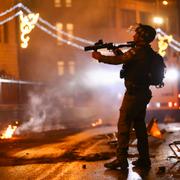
<point x="174" y="44"/>
<point x="163" y="42"/>
<point x="27" y="23"/>
<point x="158" y="20"/>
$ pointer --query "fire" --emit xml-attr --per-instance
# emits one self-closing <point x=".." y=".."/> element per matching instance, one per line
<point x="98" y="122"/>
<point x="9" y="132"/>
<point x="154" y="130"/>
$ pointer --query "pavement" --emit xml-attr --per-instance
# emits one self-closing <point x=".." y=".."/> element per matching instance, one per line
<point x="81" y="154"/>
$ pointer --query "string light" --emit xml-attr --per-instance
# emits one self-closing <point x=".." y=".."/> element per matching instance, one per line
<point x="10" y="9"/>
<point x="158" y="30"/>
<point x="25" y="30"/>
<point x="81" y="39"/>
<point x="60" y="31"/>
<point x="175" y="46"/>
<point x="10" y="18"/>
<point x="57" y="37"/>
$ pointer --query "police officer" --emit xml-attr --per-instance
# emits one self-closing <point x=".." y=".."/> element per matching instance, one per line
<point x="133" y="109"/>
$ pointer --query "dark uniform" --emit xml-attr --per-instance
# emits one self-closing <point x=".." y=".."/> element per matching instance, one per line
<point x="136" y="63"/>
<point x="136" y="98"/>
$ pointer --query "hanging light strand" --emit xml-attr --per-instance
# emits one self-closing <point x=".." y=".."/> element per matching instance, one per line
<point x="173" y="44"/>
<point x="158" y="30"/>
<point x="10" y="18"/>
<point x="11" y="9"/>
<point x="58" y="38"/>
<point x="60" y="31"/>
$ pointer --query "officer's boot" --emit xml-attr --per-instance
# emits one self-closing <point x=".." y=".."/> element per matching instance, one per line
<point x="142" y="163"/>
<point x="144" y="157"/>
<point x="120" y="161"/>
<point x="122" y="164"/>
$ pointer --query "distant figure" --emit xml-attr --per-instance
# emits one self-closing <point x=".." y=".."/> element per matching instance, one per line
<point x="136" y="62"/>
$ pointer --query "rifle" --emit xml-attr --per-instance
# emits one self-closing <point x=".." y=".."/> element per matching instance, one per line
<point x="108" y="46"/>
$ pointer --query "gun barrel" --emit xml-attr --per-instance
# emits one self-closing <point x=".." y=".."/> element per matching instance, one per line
<point x="99" y="46"/>
<point x="89" y="48"/>
<point x="109" y="46"/>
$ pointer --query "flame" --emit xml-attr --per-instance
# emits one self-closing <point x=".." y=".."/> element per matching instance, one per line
<point x="155" y="131"/>
<point x="9" y="132"/>
<point x="98" y="122"/>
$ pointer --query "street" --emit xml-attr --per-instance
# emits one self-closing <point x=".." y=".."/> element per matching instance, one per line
<point x="80" y="155"/>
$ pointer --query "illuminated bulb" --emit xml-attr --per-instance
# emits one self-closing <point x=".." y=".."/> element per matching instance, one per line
<point x="158" y="105"/>
<point x="178" y="95"/>
<point x="165" y="3"/>
<point x="175" y="104"/>
<point x="158" y="20"/>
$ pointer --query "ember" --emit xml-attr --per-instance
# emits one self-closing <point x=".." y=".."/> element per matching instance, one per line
<point x="97" y="123"/>
<point x="9" y="132"/>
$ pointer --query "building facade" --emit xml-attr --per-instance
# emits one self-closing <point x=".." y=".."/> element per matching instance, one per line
<point x="53" y="56"/>
<point x="92" y="20"/>
<point x="9" y="65"/>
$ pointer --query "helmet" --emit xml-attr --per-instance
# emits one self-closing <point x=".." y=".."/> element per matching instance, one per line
<point x="146" y="32"/>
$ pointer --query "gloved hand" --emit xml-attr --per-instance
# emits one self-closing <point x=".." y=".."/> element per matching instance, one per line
<point x="96" y="55"/>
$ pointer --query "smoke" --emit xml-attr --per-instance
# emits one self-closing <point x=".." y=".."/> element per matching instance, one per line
<point x="44" y="111"/>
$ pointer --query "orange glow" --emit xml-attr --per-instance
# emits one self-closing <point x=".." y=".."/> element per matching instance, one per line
<point x="98" y="122"/>
<point x="178" y="95"/>
<point x="154" y="131"/>
<point x="9" y="132"/>
<point x="175" y="104"/>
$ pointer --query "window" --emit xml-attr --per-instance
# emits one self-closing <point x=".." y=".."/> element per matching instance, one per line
<point x="128" y="18"/>
<point x="59" y="27"/>
<point x="70" y="28"/>
<point x="57" y="3"/>
<point x="68" y="3"/>
<point x="4" y="33"/>
<point x="60" y="66"/>
<point x="71" y="66"/>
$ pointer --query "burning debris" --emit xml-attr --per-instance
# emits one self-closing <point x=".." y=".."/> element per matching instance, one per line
<point x="8" y="132"/>
<point x="153" y="129"/>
